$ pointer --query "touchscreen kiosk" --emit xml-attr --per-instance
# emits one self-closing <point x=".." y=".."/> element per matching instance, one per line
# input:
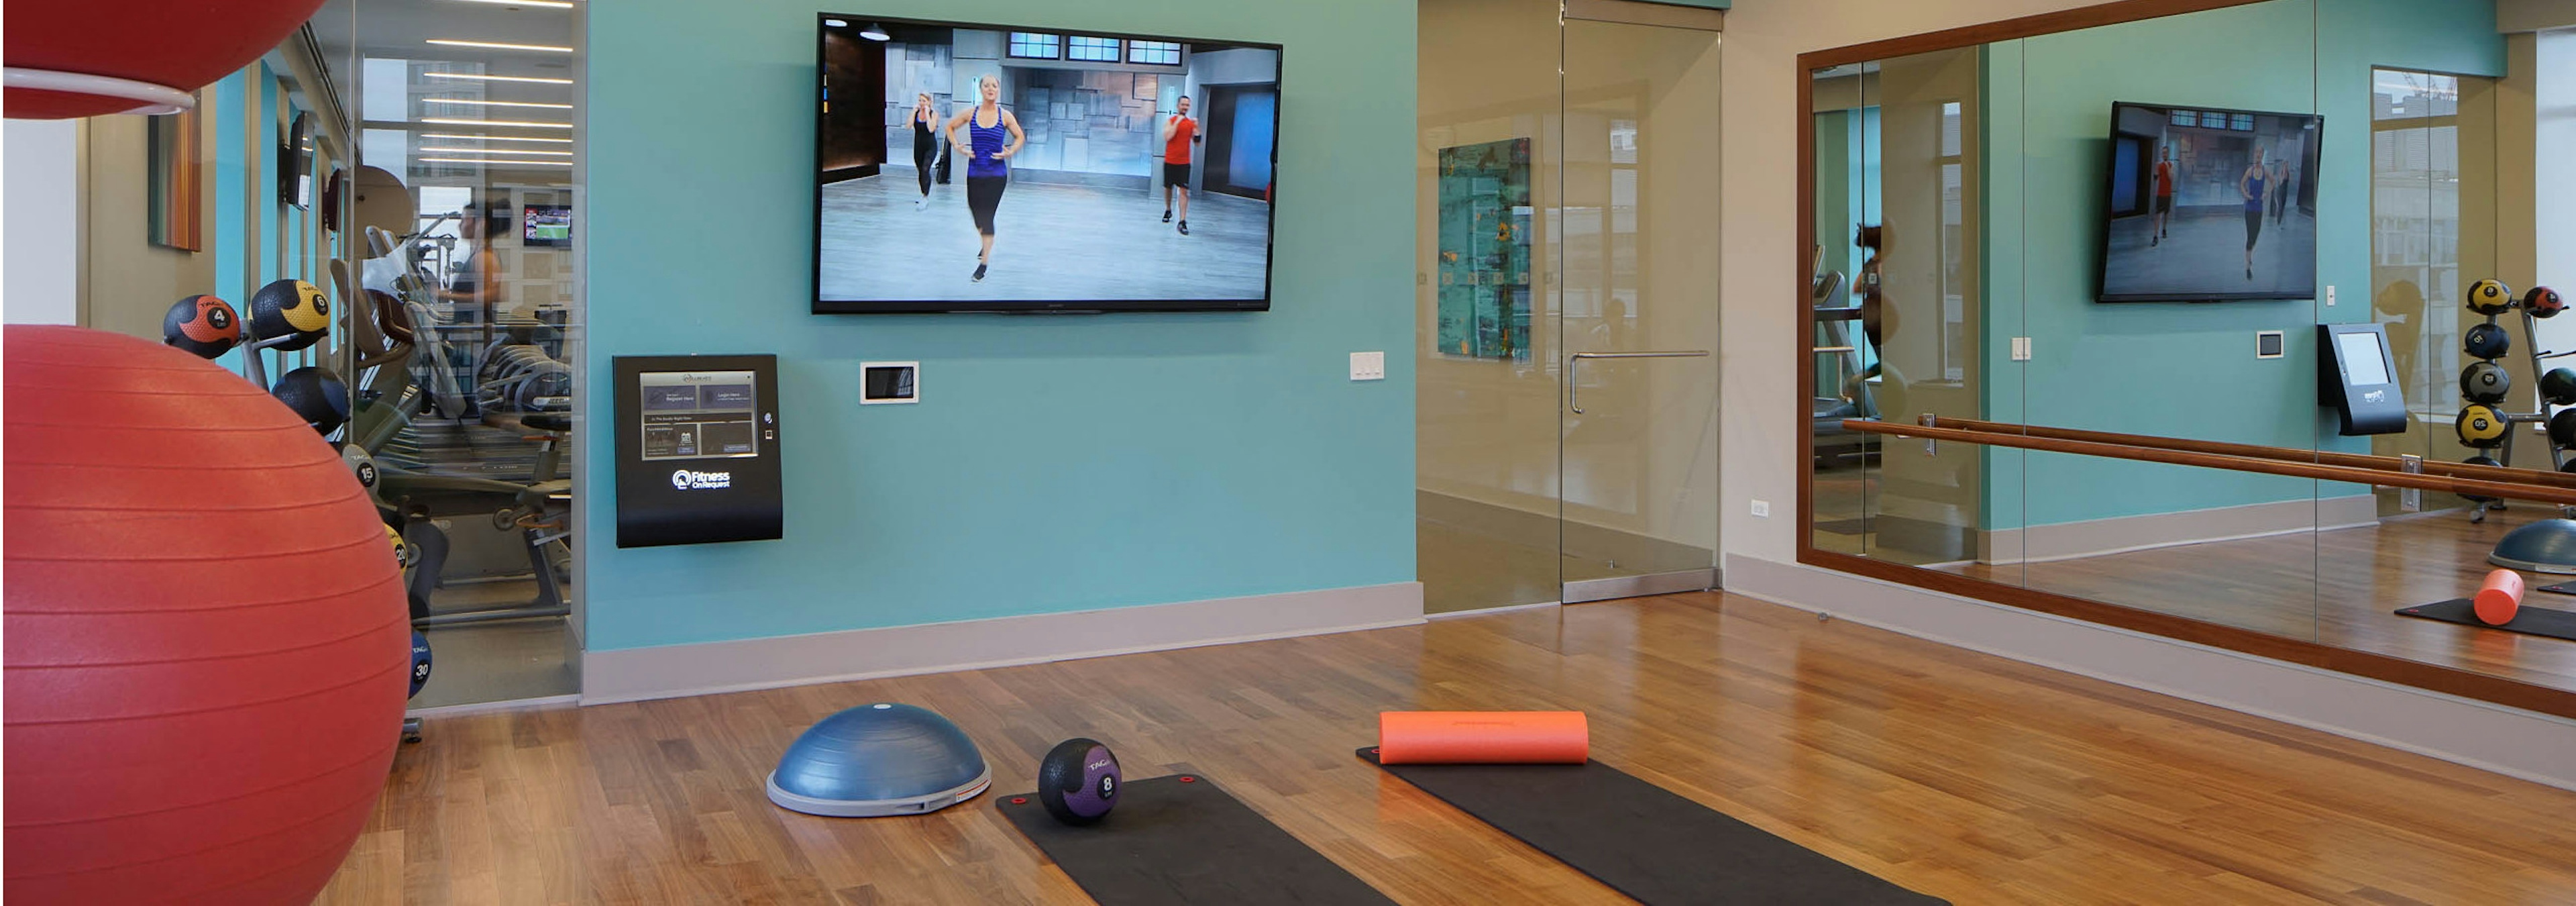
<point x="697" y="449"/>
<point x="2354" y="377"/>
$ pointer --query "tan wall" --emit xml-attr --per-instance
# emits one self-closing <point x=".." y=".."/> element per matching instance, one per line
<point x="128" y="283"/>
<point x="1762" y="255"/>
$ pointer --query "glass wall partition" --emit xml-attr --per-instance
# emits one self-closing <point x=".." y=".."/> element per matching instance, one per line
<point x="1567" y="304"/>
<point x="464" y="278"/>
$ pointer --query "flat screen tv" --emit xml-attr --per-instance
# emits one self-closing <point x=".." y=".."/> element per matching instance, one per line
<point x="2209" y="204"/>
<point x="545" y="225"/>
<point x="1134" y="172"/>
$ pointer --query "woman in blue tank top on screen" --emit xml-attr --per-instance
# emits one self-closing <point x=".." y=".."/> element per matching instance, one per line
<point x="993" y="135"/>
<point x="2250" y="185"/>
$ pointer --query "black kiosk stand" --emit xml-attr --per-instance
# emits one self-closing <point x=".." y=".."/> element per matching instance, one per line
<point x="697" y="449"/>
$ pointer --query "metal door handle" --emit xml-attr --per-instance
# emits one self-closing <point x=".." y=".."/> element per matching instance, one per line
<point x="1574" y="388"/>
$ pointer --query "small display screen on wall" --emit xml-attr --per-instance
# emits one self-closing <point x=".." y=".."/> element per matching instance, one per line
<point x="546" y="225"/>
<point x="2206" y="204"/>
<point x="964" y="167"/>
<point x="699" y="414"/>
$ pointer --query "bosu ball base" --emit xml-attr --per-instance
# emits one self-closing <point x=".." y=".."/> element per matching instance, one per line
<point x="878" y="760"/>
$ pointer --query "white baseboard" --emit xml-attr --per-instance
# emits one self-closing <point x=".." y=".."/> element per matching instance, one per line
<point x="1489" y="611"/>
<point x="668" y="671"/>
<point x="2122" y="534"/>
<point x="2516" y="743"/>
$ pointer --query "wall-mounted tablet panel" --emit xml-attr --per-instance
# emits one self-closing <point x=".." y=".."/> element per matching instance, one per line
<point x="697" y="449"/>
<point x="2354" y="379"/>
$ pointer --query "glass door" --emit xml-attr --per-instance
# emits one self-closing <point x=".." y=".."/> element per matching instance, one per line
<point x="1635" y="234"/>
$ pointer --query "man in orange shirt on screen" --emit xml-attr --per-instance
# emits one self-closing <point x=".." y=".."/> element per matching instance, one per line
<point x="1179" y="132"/>
<point x="2164" y="196"/>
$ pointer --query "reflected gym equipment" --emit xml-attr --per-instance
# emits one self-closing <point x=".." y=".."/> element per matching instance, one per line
<point x="878" y="760"/>
<point x="2490" y="297"/>
<point x="2485" y="382"/>
<point x="2486" y="341"/>
<point x="2543" y="302"/>
<point x="2558" y="387"/>
<point x="2480" y="426"/>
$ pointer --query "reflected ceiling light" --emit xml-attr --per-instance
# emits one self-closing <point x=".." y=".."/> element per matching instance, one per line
<point x="506" y="163"/>
<point x="498" y="151"/>
<point x="837" y="23"/>
<point x="876" y="32"/>
<point x="496" y="138"/>
<point x="494" y="103"/>
<point x="444" y="121"/>
<point x="494" y="45"/>
<point x="551" y="4"/>
<point x="541" y="80"/>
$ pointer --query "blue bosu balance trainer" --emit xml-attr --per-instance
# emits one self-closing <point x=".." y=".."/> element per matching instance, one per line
<point x="876" y="760"/>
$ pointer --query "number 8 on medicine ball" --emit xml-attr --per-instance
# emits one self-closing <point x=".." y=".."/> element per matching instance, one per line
<point x="2480" y="426"/>
<point x="2486" y="341"/>
<point x="2485" y="382"/>
<point x="290" y="308"/>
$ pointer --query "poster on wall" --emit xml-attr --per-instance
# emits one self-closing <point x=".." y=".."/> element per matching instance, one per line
<point x="178" y="171"/>
<point x="1485" y="250"/>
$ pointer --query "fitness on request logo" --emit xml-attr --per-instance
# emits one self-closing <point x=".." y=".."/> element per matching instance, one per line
<point x="685" y="480"/>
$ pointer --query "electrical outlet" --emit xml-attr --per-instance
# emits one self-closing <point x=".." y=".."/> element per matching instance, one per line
<point x="2021" y="349"/>
<point x="1368" y="366"/>
<point x="1762" y="509"/>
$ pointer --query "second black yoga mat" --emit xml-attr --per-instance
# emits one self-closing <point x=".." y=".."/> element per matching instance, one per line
<point x="1646" y="841"/>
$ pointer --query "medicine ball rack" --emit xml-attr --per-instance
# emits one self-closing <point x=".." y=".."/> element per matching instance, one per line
<point x="2503" y="444"/>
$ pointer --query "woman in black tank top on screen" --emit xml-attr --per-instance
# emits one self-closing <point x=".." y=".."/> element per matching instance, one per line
<point x="925" y="145"/>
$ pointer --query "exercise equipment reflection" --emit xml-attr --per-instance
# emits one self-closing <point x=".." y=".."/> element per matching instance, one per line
<point x="2558" y="387"/>
<point x="2490" y="297"/>
<point x="2486" y="341"/>
<point x="1483" y="737"/>
<point x="204" y="326"/>
<point x="2479" y="426"/>
<point x="2485" y="382"/>
<point x="2498" y="597"/>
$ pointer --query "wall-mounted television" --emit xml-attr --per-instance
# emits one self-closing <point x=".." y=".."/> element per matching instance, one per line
<point x="2210" y="204"/>
<point x="1138" y="171"/>
<point x="544" y="225"/>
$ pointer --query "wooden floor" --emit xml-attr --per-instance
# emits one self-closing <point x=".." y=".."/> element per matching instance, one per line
<point x="1960" y="775"/>
<point x="2339" y="587"/>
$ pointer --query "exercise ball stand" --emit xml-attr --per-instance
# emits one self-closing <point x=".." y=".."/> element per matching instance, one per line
<point x="2546" y="546"/>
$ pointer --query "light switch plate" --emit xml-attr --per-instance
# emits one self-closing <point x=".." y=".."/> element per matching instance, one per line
<point x="1368" y="366"/>
<point x="2268" y="344"/>
<point x="1762" y="508"/>
<point x="889" y="383"/>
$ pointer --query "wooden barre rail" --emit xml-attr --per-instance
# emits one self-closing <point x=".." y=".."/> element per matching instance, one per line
<point x="2287" y="454"/>
<point x="2471" y="487"/>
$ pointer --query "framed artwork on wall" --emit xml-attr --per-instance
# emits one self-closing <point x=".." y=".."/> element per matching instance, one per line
<point x="1485" y="250"/>
<point x="178" y="173"/>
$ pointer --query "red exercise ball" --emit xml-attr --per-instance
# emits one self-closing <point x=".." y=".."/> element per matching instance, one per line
<point x="95" y="58"/>
<point x="207" y="642"/>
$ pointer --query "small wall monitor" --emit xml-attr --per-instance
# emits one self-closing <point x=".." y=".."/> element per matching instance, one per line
<point x="697" y="450"/>
<point x="546" y="225"/>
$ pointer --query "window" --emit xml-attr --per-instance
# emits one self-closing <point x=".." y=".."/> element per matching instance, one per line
<point x="1035" y="45"/>
<point x="1095" y="50"/>
<point x="1159" y="53"/>
<point x="2185" y="118"/>
<point x="2242" y="122"/>
<point x="2213" y="120"/>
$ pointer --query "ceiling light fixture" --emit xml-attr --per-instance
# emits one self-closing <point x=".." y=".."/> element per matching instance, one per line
<point x="498" y="151"/>
<point x="495" y="103"/>
<point x="494" y="78"/>
<point x="496" y="138"/>
<point x="876" y="32"/>
<point x="549" y="4"/>
<point x="506" y="163"/>
<point x="494" y="45"/>
<point x="837" y="23"/>
<point x="445" y="121"/>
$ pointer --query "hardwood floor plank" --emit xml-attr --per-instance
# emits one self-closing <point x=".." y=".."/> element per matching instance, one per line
<point x="1969" y="777"/>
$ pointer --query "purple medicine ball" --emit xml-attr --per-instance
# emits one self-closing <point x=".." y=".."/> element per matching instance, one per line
<point x="1078" y="781"/>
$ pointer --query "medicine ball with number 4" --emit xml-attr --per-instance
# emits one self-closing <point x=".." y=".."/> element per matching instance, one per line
<point x="2481" y="426"/>
<point x="2485" y="382"/>
<point x="2490" y="297"/>
<point x="2486" y="341"/>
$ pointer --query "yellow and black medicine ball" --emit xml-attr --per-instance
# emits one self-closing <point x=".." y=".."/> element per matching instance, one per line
<point x="290" y="308"/>
<point x="2490" y="297"/>
<point x="2480" y="426"/>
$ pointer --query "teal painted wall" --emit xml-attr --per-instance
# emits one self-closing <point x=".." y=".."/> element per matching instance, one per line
<point x="1055" y="463"/>
<point x="2178" y="369"/>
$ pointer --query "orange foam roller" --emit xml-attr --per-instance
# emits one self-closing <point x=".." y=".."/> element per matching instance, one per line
<point x="2498" y="598"/>
<point x="1483" y="737"/>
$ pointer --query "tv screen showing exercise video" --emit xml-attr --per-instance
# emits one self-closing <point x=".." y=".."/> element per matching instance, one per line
<point x="973" y="167"/>
<point x="2210" y="204"/>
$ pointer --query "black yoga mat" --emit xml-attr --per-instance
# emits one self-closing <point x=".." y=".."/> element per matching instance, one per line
<point x="1182" y="840"/>
<point x="2556" y="624"/>
<point x="1645" y="841"/>
<point x="2562" y="588"/>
